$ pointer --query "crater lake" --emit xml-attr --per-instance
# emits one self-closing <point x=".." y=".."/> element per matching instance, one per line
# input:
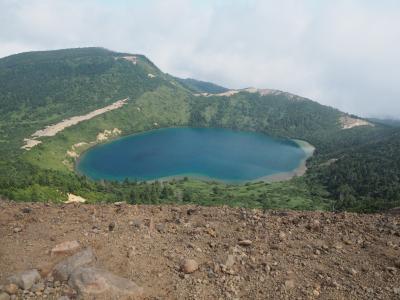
<point x="205" y="153"/>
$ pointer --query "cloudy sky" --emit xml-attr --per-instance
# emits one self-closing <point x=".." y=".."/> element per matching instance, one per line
<point x="344" y="53"/>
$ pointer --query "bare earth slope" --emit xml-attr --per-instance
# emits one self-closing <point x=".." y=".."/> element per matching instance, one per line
<point x="288" y="255"/>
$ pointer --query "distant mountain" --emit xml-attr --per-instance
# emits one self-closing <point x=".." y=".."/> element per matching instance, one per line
<point x="38" y="89"/>
<point x="385" y="121"/>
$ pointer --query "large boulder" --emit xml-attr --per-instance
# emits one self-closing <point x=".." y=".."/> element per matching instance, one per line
<point x="63" y="270"/>
<point x="26" y="279"/>
<point x="94" y="283"/>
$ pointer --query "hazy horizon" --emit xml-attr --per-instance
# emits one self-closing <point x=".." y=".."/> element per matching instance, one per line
<point x="343" y="54"/>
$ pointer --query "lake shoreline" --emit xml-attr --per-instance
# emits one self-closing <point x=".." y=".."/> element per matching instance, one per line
<point x="300" y="170"/>
<point x="284" y="176"/>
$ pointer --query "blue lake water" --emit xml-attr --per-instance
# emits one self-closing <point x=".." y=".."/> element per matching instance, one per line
<point x="218" y="154"/>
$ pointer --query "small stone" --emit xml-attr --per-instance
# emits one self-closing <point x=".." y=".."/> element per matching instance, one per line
<point x="282" y="236"/>
<point x="137" y="223"/>
<point x="396" y="291"/>
<point x="11" y="288"/>
<point x="17" y="229"/>
<point x="152" y="226"/>
<point x="245" y="243"/>
<point x="160" y="227"/>
<point x="45" y="269"/>
<point x="26" y="210"/>
<point x="26" y="279"/>
<point x="338" y="246"/>
<point x="111" y="226"/>
<point x="314" y="225"/>
<point x="4" y="296"/>
<point x="68" y="291"/>
<point x="364" y="268"/>
<point x="397" y="263"/>
<point x="230" y="261"/>
<point x="189" y="266"/>
<point x="131" y="252"/>
<point x="48" y="291"/>
<point x="289" y="284"/>
<point x="38" y="287"/>
<point x="352" y="271"/>
<point x="190" y="211"/>
<point x="211" y="232"/>
<point x="347" y="241"/>
<point x="67" y="247"/>
<point x="391" y="269"/>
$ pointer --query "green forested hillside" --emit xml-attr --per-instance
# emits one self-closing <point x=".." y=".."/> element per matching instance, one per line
<point x="41" y="88"/>
<point x="198" y="86"/>
<point x="367" y="178"/>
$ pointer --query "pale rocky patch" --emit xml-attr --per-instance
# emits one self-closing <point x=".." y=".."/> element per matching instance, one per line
<point x="230" y="93"/>
<point x="75" y="199"/>
<point x="52" y="130"/>
<point x="348" y="122"/>
<point x="80" y="144"/>
<point x="131" y="58"/>
<point x="106" y="134"/>
<point x="30" y="143"/>
<point x="72" y="154"/>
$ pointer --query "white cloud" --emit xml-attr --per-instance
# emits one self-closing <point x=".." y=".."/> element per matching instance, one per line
<point x="341" y="53"/>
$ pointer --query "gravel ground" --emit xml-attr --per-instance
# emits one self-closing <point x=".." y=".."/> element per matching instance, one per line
<point x="241" y="254"/>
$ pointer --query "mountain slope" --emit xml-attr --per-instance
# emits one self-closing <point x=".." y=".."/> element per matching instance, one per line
<point x="41" y="88"/>
<point x="366" y="179"/>
<point x="198" y="86"/>
<point x="69" y="81"/>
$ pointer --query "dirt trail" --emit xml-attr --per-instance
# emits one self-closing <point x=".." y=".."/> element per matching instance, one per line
<point x="242" y="254"/>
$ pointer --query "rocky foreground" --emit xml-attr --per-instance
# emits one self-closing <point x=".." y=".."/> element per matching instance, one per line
<point x="122" y="251"/>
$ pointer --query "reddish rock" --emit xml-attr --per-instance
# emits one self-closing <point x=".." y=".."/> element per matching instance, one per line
<point x="189" y="266"/>
<point x="65" y="248"/>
